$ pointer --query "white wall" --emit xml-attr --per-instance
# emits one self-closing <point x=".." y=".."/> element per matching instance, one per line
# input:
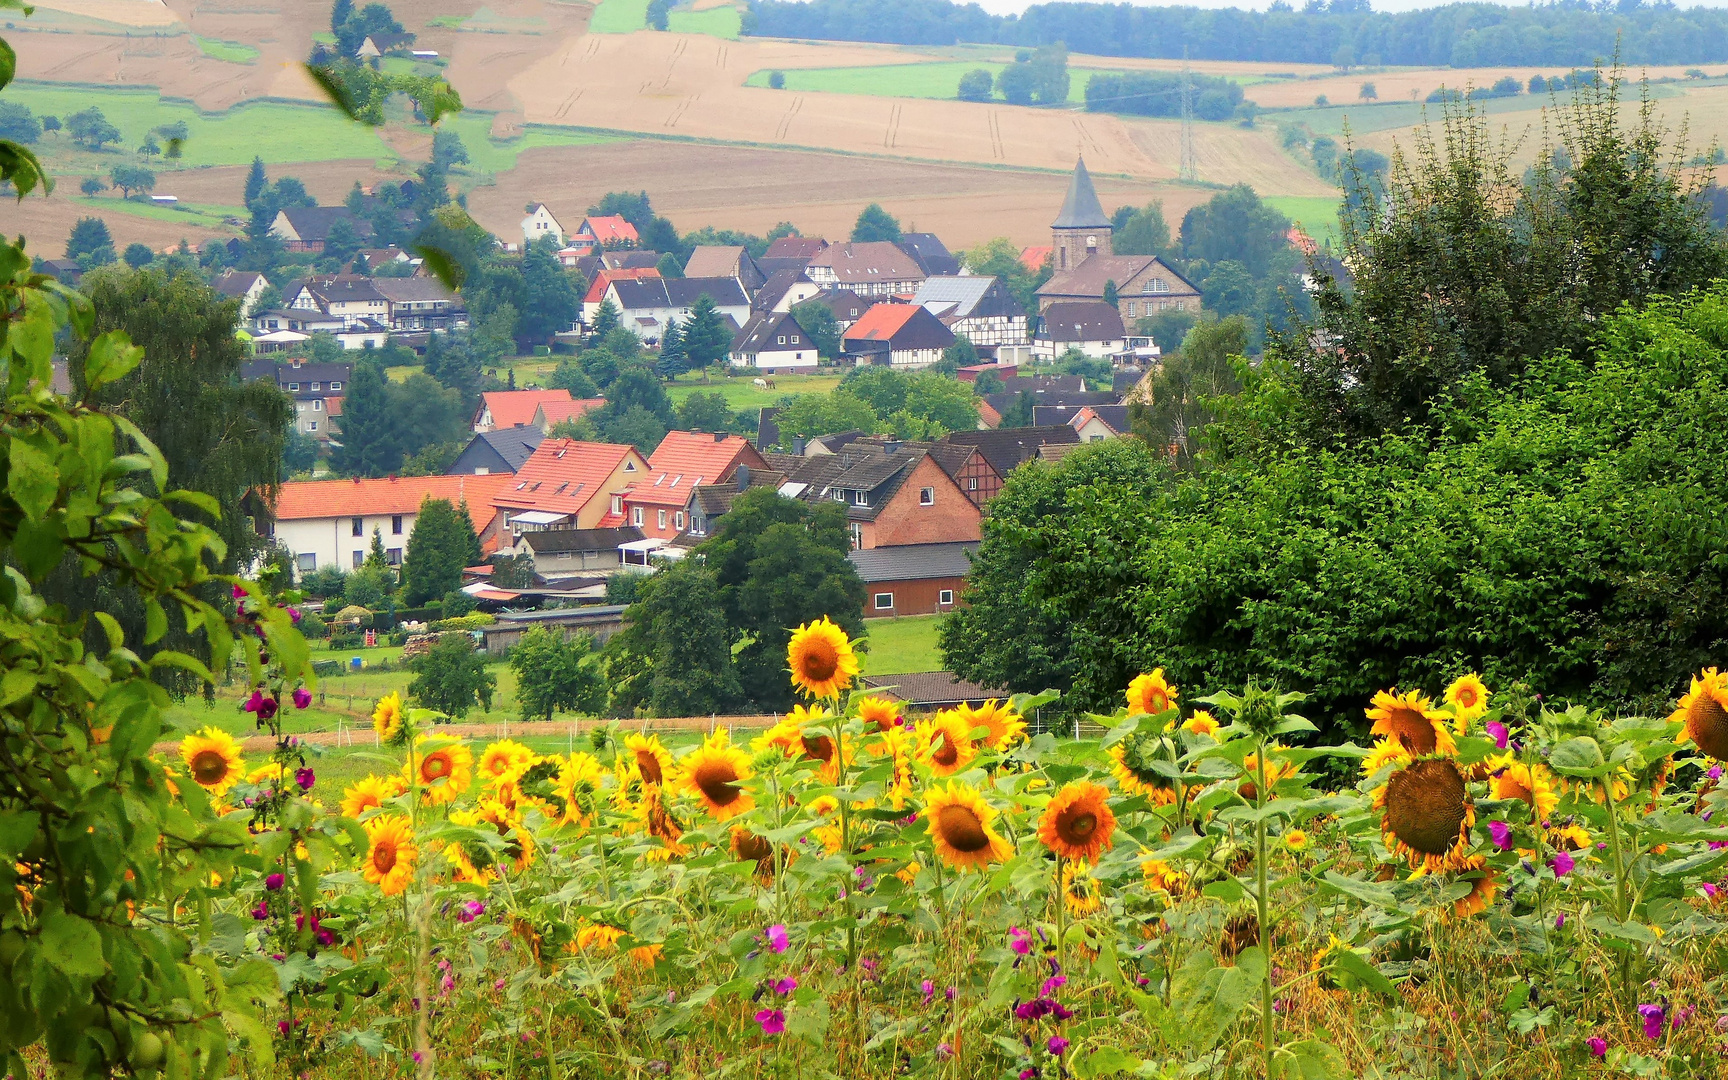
<point x="330" y="542"/>
<point x="778" y="359"/>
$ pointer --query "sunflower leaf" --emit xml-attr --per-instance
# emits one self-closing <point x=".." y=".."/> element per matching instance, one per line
<point x="1579" y="756"/>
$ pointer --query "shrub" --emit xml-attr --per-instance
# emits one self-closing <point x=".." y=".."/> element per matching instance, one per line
<point x="472" y="621"/>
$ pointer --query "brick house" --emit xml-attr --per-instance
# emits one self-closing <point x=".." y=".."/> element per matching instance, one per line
<point x="912" y="579"/>
<point x="1085" y="267"/>
<point x="658" y="503"/>
<point x="566" y="484"/>
<point x="892" y="494"/>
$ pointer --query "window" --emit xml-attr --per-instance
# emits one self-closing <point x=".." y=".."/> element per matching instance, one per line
<point x="393" y="556"/>
<point x="312" y="425"/>
<point x="781" y="340"/>
<point x="636" y="516"/>
<point x="927" y="496"/>
<point x="1155" y="285"/>
<point x="396" y="525"/>
<point x="308" y="562"/>
<point x="357" y="528"/>
<point x="660" y="520"/>
<point x="857" y="531"/>
<point x="359" y="559"/>
<point x="316" y="386"/>
<point x="860" y="498"/>
<point x="839" y="495"/>
<point x="945" y="597"/>
<point x="794" y="339"/>
<point x="335" y="386"/>
<point x="1096" y="438"/>
<point x="678" y="521"/>
<point x="884" y="601"/>
<point x="617" y="504"/>
<point x="317" y="404"/>
<point x="971" y="483"/>
<point x="293" y="386"/>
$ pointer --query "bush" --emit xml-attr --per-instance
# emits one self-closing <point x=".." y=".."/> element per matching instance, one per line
<point x="777" y="80"/>
<point x="458" y="603"/>
<point x="452" y="678"/>
<point x="975" y="85"/>
<point x="473" y="621"/>
<point x="312" y="626"/>
<point x="347" y="641"/>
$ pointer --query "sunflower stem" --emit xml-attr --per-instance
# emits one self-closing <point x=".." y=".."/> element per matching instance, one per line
<point x="1620" y="905"/>
<point x="1061" y="911"/>
<point x="851" y="877"/>
<point x="1260" y="899"/>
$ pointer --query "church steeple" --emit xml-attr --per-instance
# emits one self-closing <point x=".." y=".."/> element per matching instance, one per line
<point x="1081" y="229"/>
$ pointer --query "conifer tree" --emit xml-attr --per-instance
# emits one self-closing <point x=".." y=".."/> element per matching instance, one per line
<point x="370" y="446"/>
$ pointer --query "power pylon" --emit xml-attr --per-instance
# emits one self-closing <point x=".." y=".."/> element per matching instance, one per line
<point x="1190" y="169"/>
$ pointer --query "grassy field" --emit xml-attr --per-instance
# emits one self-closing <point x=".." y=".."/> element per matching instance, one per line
<point x="938" y="79"/>
<point x="901" y="645"/>
<point x="619" y="17"/>
<point x="720" y="22"/>
<point x="232" y="51"/>
<point x="1317" y="215"/>
<point x="213" y="216"/>
<point x="741" y="394"/>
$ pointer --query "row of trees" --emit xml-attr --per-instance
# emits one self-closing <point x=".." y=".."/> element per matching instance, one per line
<point x="1518" y="480"/>
<point x="1340" y="32"/>
<point x="916" y="405"/>
<point x="1036" y="77"/>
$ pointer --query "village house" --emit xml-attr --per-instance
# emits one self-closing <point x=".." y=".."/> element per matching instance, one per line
<point x="1086" y="270"/>
<point x="977" y="308"/>
<point x="501" y="450"/>
<point x="541" y="222"/>
<point x="848" y="307"/>
<point x="1006" y="449"/>
<point x="717" y="261"/>
<point x="1093" y="423"/>
<point x="784" y="290"/>
<point x="306" y="228"/>
<point x="963" y="463"/>
<point x="280" y="329"/>
<point x="927" y="691"/>
<point x="647" y="305"/>
<point x="658" y="503"/>
<point x="771" y="342"/>
<point x="331" y="522"/>
<point x="907" y="335"/>
<point x="893" y="495"/>
<point x="417" y="304"/>
<point x="599" y="233"/>
<point x="563" y="554"/>
<point x="609" y="259"/>
<point x="566" y="484"/>
<point x="353" y="299"/>
<point x="508" y="408"/>
<point x="551" y="412"/>
<point x="790" y="253"/>
<point x="309" y="385"/>
<point x="912" y="579"/>
<point x="872" y="269"/>
<point x="602" y="281"/>
<point x="242" y="285"/>
<point x="1093" y="327"/>
<point x="930" y="253"/>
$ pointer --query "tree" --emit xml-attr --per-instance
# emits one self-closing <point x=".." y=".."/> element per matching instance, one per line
<point x="150" y="147"/>
<point x="549" y="301"/>
<point x="437" y="552"/>
<point x="299" y="453"/>
<point x="89" y="242"/>
<point x="138" y="255"/>
<point x="369" y="446"/>
<point x="671" y="361"/>
<point x="941" y="401"/>
<point x="554" y="674"/>
<point x="19" y="124"/>
<point x="706" y="410"/>
<point x="340" y="12"/>
<point x="451" y="677"/>
<point x="777" y="80"/>
<point x="1144" y="232"/>
<point x="1111" y="295"/>
<point x="568" y="375"/>
<point x="91" y="128"/>
<point x="132" y="178"/>
<point x="367" y="587"/>
<point x="1016" y="83"/>
<point x="668" y="266"/>
<point x="369" y="20"/>
<point x="1367" y="93"/>
<point x="659" y="15"/>
<point x="987" y="382"/>
<point x="817" y="320"/>
<point x="809" y="415"/>
<point x="959" y="353"/>
<point x="605" y="319"/>
<point x="1049" y="70"/>
<point x="678" y="623"/>
<point x="706" y="338"/>
<point x="1229" y="289"/>
<point x="975" y="85"/>
<point x="875" y="224"/>
<point x="1187" y="385"/>
<point x="256" y="182"/>
<point x="1234" y="224"/>
<point x="513" y="571"/>
<point x="177" y="131"/>
<point x="92" y="186"/>
<point x="424" y="413"/>
<point x="342" y="243"/>
<point x="447" y="149"/>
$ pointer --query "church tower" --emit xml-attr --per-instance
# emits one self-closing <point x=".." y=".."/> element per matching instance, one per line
<point x="1081" y="230"/>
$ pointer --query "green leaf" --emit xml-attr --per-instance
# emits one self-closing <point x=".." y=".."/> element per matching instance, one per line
<point x="111" y="627"/>
<point x="17" y="829"/>
<point x="112" y="356"/>
<point x="1309" y="1059"/>
<point x="1579" y="756"/>
<point x="1105" y="1061"/>
<point x="21" y="167"/>
<point x="8" y="63"/>
<point x="1515" y="998"/>
<point x="32" y="479"/>
<point x="73" y="945"/>
<point x="1352" y="963"/>
<point x="1372" y="893"/>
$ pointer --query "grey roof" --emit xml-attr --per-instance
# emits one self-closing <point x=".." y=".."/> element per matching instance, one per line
<point x="846" y="305"/>
<point x="642" y="293"/>
<point x="930" y="253"/>
<point x="514" y="444"/>
<point x="1085" y="320"/>
<point x="557" y="540"/>
<point x="412" y="290"/>
<point x="1114" y="415"/>
<point x="760" y="332"/>
<point x="930" y="688"/>
<point x="312" y="223"/>
<point x="1005" y="448"/>
<point x="796" y="247"/>
<point x="1080" y="210"/>
<point x="237" y="282"/>
<point x="966" y="297"/>
<point x="767" y="429"/>
<point x="1007" y="399"/>
<point x="778" y="286"/>
<point x="869" y="261"/>
<point x="339" y="288"/>
<point x="913" y="562"/>
<point x="304" y="375"/>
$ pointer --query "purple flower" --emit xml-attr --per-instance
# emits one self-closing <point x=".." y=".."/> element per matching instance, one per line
<point x="773" y="1021"/>
<point x="282" y="1026"/>
<point x="1502" y="834"/>
<point x="1560" y="921"/>
<point x="944" y="1051"/>
<point x="951" y="993"/>
<point x="417" y="1058"/>
<point x="239" y="592"/>
<point x="305" y="778"/>
<point x="1682" y="1016"/>
<point x="255" y="702"/>
<point x="1715" y="772"/>
<point x="784" y="986"/>
<point x="294" y="615"/>
<point x="1653" y="1015"/>
<point x="274" y="882"/>
<point x="1056" y="1045"/>
<point x="1721" y="1024"/>
<point x="302" y="697"/>
<point x="1563" y="864"/>
<point x="929" y="989"/>
<point x="470" y="910"/>
<point x="1709" y="890"/>
<point x="777" y="938"/>
<point x="1027" y="1073"/>
<point x="1053" y="984"/>
<point x="267" y="708"/>
<point x="262" y="911"/>
<point x="1598" y="1046"/>
<point x="1496" y="731"/>
<point x="1061" y="1011"/>
<point x="1019" y="940"/>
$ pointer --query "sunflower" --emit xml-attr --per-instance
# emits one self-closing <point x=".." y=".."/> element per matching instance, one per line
<point x="603" y="938"/>
<point x="1162" y="877"/>
<point x="1570" y="838"/>
<point x="1426" y="814"/>
<point x="390" y="854"/>
<point x="1150" y="694"/>
<point x="1469" y="700"/>
<point x="367" y="793"/>
<point x="518" y="841"/>
<point x="462" y="868"/>
<point x="661" y="825"/>
<point x="1704" y="711"/>
<point x="960" y="830"/>
<point x="1077" y="823"/>
<point x="1412" y="720"/>
<point x="714" y="774"/>
<point x="503" y="762"/>
<point x="1006" y="727"/>
<point x="213" y="758"/>
<point x="444" y="772"/>
<point x="1509" y="778"/>
<point x="881" y="711"/>
<point x="1386" y="752"/>
<point x="577" y="787"/>
<point x="1296" y="840"/>
<point x="1201" y="723"/>
<point x="896" y="746"/>
<point x="802" y="732"/>
<point x="749" y="847"/>
<point x="652" y="761"/>
<point x="1483" y="889"/>
<point x="1133" y="767"/>
<point x="265" y="773"/>
<point x="944" y="743"/>
<point x="821" y="659"/>
<point x="387" y="717"/>
<point x="1081" y="892"/>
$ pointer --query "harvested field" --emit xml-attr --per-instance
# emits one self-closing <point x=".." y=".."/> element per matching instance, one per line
<point x="1415" y="83"/>
<point x="136" y="13"/>
<point x="45" y="223"/>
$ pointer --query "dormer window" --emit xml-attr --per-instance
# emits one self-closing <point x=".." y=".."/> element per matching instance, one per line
<point x="860" y="498"/>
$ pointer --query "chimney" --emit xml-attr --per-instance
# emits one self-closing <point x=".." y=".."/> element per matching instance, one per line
<point x="719" y="436"/>
<point x="743" y="477"/>
<point x="799" y="446"/>
<point x="892" y="446"/>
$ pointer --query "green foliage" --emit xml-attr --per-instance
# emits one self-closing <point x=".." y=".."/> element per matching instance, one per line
<point x="1143" y="232"/>
<point x="817" y="320"/>
<point x="437" y="552"/>
<point x="1235" y="225"/>
<point x="1000" y="258"/>
<point x="367" y="587"/>
<point x="875" y="224"/>
<point x="975" y="85"/>
<point x="676" y="621"/>
<point x="555" y="673"/>
<point x="18" y="124"/>
<point x="324" y="581"/>
<point x="89" y="243"/>
<point x="452" y="678"/>
<point x="777" y="80"/>
<point x="808" y="415"/>
<point x="138" y="256"/>
<point x="706" y="410"/>
<point x="90" y="128"/>
<point x="1188" y="385"/>
<point x="568" y="375"/>
<point x="705" y="334"/>
<point x="369" y="443"/>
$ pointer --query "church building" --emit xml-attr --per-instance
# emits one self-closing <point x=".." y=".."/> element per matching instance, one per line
<point x="1087" y="269"/>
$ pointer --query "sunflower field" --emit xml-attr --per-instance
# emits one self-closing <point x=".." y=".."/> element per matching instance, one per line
<point x="1493" y="887"/>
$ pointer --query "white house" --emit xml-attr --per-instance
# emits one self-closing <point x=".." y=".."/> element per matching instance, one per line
<point x="1092" y="326"/>
<point x="540" y="222"/>
<point x="646" y="305"/>
<point x="773" y="342"/>
<point x="977" y="307"/>
<point x="330" y="522"/>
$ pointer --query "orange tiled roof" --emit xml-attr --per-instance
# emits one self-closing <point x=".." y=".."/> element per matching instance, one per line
<point x="881" y="322"/>
<point x="512" y="407"/>
<point x="612" y="228"/>
<point x="693" y="452"/>
<point x="562" y="475"/>
<point x="299" y="500"/>
<point x="556" y="412"/>
<point x="1032" y="258"/>
<point x="664" y="489"/>
<point x="597" y="289"/>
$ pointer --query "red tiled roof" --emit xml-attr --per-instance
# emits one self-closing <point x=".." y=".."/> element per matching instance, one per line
<point x="1032" y="258"/>
<point x="1301" y="241"/>
<point x="612" y="228"/>
<point x="597" y="289"/>
<point x="610" y="521"/>
<point x="512" y="407"/>
<point x="663" y="489"/>
<point x="562" y="475"/>
<point x="881" y="322"/>
<point x="333" y="406"/>
<point x="556" y="412"/>
<point x="300" y="500"/>
<point x="693" y="452"/>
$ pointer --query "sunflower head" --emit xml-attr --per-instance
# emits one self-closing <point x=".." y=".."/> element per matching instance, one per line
<point x="389" y="719"/>
<point x="502" y="763"/>
<point x="518" y="841"/>
<point x="1151" y="694"/>
<point x="390" y="854"/>
<point x="1005" y="726"/>
<point x="1078" y="822"/>
<point x="821" y="659"/>
<point x="1703" y="710"/>
<point x="1162" y="877"/>
<point x="443" y="770"/>
<point x="1509" y="778"/>
<point x="715" y="773"/>
<point x="1081" y="892"/>
<point x="1483" y="888"/>
<point x="649" y="758"/>
<point x="1296" y="840"/>
<point x="577" y="787"/>
<point x="960" y="828"/>
<point x="1411" y="720"/>
<point x="883" y="712"/>
<point x="1135" y="762"/>
<point x="1201" y="723"/>
<point x="367" y="793"/>
<point x="1469" y="700"/>
<point x="1426" y="814"/>
<point x="212" y="757"/>
<point x="945" y="743"/>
